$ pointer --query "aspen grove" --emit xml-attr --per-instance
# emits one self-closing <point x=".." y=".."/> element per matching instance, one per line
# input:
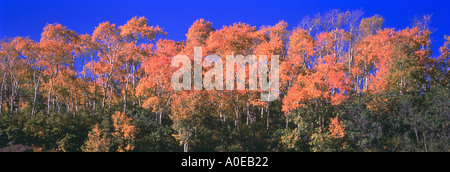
<point x="346" y="83"/>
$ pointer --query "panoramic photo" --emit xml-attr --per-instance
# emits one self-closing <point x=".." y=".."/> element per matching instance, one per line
<point x="224" y="76"/>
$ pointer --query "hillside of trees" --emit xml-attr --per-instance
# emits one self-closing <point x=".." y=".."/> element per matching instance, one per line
<point x="346" y="84"/>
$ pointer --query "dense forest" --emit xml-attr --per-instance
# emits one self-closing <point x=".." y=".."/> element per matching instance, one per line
<point x="346" y="84"/>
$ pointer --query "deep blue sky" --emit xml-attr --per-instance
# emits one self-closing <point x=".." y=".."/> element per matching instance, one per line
<point x="28" y="17"/>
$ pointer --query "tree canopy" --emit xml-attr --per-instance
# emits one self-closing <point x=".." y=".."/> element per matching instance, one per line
<point x="346" y="84"/>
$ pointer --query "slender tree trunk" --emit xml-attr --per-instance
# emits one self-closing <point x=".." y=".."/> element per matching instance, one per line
<point x="262" y="112"/>
<point x="222" y="123"/>
<point x="248" y="113"/>
<point x="268" y="115"/>
<point x="94" y="100"/>
<point x="76" y="106"/>
<point x="366" y="83"/>
<point x="12" y="94"/>
<point x="287" y="123"/>
<point x="17" y="97"/>
<point x="70" y="101"/>
<point x="36" y="87"/>
<point x="236" y="110"/>
<point x="417" y="136"/>
<point x="125" y="97"/>
<point x="95" y="89"/>
<point x="126" y="89"/>
<point x="49" y="93"/>
<point x="139" y="101"/>
<point x="186" y="146"/>
<point x="104" y="98"/>
<point x="110" y="98"/>
<point x="108" y="78"/>
<point x="68" y="107"/>
<point x="133" y="86"/>
<point x="425" y="142"/>
<point x="57" y="103"/>
<point x="160" y="118"/>
<point x="351" y="57"/>
<point x="1" y="92"/>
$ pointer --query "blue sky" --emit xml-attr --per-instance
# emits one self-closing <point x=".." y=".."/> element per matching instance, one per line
<point x="28" y="17"/>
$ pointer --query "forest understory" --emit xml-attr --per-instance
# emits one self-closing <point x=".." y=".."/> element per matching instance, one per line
<point x="346" y="84"/>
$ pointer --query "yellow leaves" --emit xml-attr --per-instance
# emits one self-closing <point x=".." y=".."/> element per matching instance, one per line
<point x="236" y="39"/>
<point x="369" y="26"/>
<point x="97" y="141"/>
<point x="337" y="99"/>
<point x="57" y="32"/>
<point x="105" y="32"/>
<point x="274" y="39"/>
<point x="319" y="142"/>
<point x="301" y="43"/>
<point x="138" y="28"/>
<point x="378" y="104"/>
<point x="151" y="103"/>
<point x="290" y="139"/>
<point x="445" y="49"/>
<point x="179" y="137"/>
<point x="386" y="58"/>
<point x="336" y="128"/>
<point x="124" y="132"/>
<point x="123" y="126"/>
<point x="23" y="104"/>
<point x="316" y="68"/>
<point x="327" y="82"/>
<point x="198" y="33"/>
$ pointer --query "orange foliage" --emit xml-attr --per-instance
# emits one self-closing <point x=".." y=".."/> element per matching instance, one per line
<point x="97" y="141"/>
<point x="323" y="78"/>
<point x="125" y="130"/>
<point x="337" y="128"/>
